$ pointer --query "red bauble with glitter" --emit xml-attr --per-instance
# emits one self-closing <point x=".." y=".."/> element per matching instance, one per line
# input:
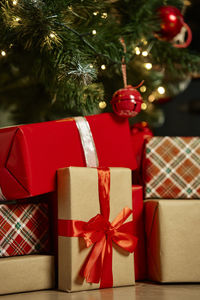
<point x="127" y="102"/>
<point x="172" y="22"/>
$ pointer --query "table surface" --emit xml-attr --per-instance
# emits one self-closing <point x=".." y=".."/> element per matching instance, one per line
<point x="141" y="291"/>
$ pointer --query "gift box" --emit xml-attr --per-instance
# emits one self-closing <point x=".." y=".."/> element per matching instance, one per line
<point x="173" y="240"/>
<point x="24" y="229"/>
<point x="26" y="273"/>
<point x="140" y="133"/>
<point x="138" y="216"/>
<point x="172" y="168"/>
<point x="31" y="154"/>
<point x="92" y="252"/>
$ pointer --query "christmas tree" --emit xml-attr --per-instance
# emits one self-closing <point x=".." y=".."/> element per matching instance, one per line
<point x="62" y="58"/>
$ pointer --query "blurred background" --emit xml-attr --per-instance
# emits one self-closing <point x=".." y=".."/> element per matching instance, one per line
<point x="182" y="113"/>
<point x="170" y="115"/>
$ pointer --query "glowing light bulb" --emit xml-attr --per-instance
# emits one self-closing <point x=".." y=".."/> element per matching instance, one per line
<point x="95" y="13"/>
<point x="161" y="90"/>
<point x="17" y="19"/>
<point x="104" y="15"/>
<point x="144" y="53"/>
<point x="143" y="88"/>
<point x="103" y="67"/>
<point x="148" y="66"/>
<point x="143" y="106"/>
<point x="144" y="124"/>
<point x="3" y="53"/>
<point x="91" y="66"/>
<point x="52" y="35"/>
<point x="151" y="98"/>
<point x="15" y="2"/>
<point x="102" y="104"/>
<point x="137" y="51"/>
<point x="144" y="41"/>
<point x="187" y="2"/>
<point x="94" y="32"/>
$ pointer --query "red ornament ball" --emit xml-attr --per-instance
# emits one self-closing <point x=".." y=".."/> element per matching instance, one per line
<point x="127" y="102"/>
<point x="172" y="21"/>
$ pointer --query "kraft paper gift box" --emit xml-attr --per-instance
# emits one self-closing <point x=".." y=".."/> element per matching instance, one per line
<point x="173" y="240"/>
<point x="172" y="168"/>
<point x="26" y="273"/>
<point x="31" y="154"/>
<point x="80" y="192"/>
<point x="24" y="229"/>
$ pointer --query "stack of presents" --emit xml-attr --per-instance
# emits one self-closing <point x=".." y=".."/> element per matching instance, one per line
<point x="87" y="203"/>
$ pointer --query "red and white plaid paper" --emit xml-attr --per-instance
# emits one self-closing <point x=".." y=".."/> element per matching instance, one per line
<point x="24" y="229"/>
<point x="172" y="168"/>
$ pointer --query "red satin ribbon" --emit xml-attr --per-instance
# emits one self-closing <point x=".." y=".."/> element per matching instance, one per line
<point x="100" y="233"/>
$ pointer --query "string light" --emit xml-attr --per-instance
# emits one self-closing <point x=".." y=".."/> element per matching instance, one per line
<point x="161" y="90"/>
<point x="3" y="53"/>
<point x="91" y="66"/>
<point x="187" y="2"/>
<point x="144" y="41"/>
<point x="144" y="53"/>
<point x="94" y="32"/>
<point x="104" y="15"/>
<point x="15" y="2"/>
<point x="148" y="66"/>
<point x="95" y="13"/>
<point x="137" y="50"/>
<point x="144" y="106"/>
<point x="102" y="104"/>
<point x="103" y="67"/>
<point x="144" y="124"/>
<point x="52" y="35"/>
<point x="17" y="19"/>
<point x="143" y="88"/>
<point x="151" y="98"/>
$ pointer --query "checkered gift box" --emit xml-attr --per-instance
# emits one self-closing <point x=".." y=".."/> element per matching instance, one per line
<point x="172" y="168"/>
<point x="24" y="229"/>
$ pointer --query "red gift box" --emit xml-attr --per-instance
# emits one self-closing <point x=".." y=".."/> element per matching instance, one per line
<point x="140" y="133"/>
<point x="24" y="229"/>
<point x="138" y="218"/>
<point x="31" y="154"/>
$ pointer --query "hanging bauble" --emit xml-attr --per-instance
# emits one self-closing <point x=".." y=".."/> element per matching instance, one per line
<point x="172" y="21"/>
<point x="127" y="102"/>
<point x="173" y="27"/>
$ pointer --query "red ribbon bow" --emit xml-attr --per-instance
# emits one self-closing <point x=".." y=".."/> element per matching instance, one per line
<point x="100" y="233"/>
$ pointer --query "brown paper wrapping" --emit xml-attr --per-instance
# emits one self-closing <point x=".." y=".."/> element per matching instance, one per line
<point x="26" y="273"/>
<point x="173" y="240"/>
<point x="78" y="200"/>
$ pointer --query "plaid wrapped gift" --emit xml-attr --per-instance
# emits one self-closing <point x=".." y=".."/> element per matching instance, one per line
<point x="24" y="229"/>
<point x="172" y="168"/>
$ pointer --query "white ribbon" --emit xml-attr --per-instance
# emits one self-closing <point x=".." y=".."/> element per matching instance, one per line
<point x="87" y="142"/>
<point x="2" y="197"/>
